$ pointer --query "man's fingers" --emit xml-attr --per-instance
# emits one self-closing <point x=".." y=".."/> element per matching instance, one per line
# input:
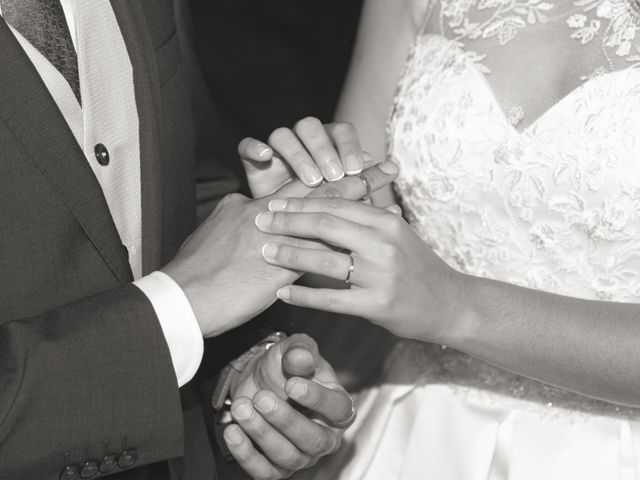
<point x="299" y="356"/>
<point x="298" y="362"/>
<point x="275" y="447"/>
<point x="345" y="138"/>
<point x="336" y="407"/>
<point x="347" y="302"/>
<point x="305" y="434"/>
<point x="251" y="461"/>
<point x="254" y="150"/>
<point x="314" y="137"/>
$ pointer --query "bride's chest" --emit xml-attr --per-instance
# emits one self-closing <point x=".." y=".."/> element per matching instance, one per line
<point x="554" y="205"/>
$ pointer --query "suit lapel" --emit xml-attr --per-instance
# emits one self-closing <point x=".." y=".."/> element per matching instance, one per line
<point x="141" y="51"/>
<point x="30" y="113"/>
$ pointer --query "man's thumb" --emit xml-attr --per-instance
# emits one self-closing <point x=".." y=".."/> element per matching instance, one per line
<point x="299" y="356"/>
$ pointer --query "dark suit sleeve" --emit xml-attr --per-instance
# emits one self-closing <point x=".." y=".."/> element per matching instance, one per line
<point x="86" y="379"/>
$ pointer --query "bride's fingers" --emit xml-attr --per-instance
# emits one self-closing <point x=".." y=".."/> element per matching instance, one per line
<point x="345" y="138"/>
<point x="326" y="263"/>
<point x="348" y="302"/>
<point x="258" y="160"/>
<point x="320" y="226"/>
<point x="254" y="150"/>
<point x="357" y="212"/>
<point x="288" y="147"/>
<point x="314" y="137"/>
<point x="351" y="187"/>
<point x="251" y="461"/>
<point x="395" y="209"/>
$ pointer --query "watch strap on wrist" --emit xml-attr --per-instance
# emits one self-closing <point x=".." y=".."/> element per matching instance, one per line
<point x="230" y="373"/>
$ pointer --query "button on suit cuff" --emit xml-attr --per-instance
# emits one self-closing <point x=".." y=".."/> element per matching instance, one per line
<point x="178" y="322"/>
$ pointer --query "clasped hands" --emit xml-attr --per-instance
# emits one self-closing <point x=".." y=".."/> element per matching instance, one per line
<point x="222" y="273"/>
<point x="247" y="250"/>
<point x="289" y="410"/>
<point x="394" y="279"/>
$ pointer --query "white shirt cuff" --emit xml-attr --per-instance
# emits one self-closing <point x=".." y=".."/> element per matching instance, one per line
<point x="178" y="322"/>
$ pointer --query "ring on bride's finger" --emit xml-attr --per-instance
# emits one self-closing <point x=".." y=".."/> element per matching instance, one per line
<point x="352" y="267"/>
<point x="367" y="186"/>
<point x="352" y="416"/>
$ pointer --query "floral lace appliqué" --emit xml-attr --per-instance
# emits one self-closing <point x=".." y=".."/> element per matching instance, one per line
<point x="507" y="18"/>
<point x="613" y="22"/>
<point x="616" y="23"/>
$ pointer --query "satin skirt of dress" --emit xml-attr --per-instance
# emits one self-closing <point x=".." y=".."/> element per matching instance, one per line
<point x="437" y="431"/>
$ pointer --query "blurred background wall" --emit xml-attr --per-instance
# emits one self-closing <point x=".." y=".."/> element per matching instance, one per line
<point x="269" y="63"/>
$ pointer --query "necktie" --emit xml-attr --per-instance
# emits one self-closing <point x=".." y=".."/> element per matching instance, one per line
<point x="43" y="24"/>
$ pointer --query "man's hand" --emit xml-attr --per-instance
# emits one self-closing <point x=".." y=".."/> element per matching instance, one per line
<point x="310" y="151"/>
<point x="220" y="268"/>
<point x="274" y="438"/>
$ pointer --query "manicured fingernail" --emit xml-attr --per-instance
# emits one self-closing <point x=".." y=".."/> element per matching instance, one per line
<point x="266" y="404"/>
<point x="264" y="219"/>
<point x="278" y="205"/>
<point x="353" y="165"/>
<point x="395" y="209"/>
<point x="298" y="390"/>
<point x="312" y="176"/>
<point x="243" y="411"/>
<point x="270" y="251"/>
<point x="389" y="167"/>
<point x="263" y="150"/>
<point x="232" y="436"/>
<point x="284" y="294"/>
<point x="334" y="171"/>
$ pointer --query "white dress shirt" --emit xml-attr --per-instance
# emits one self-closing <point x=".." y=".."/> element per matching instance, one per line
<point x="108" y="115"/>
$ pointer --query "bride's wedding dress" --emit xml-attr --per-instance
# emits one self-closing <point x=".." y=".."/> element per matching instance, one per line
<point x="517" y="129"/>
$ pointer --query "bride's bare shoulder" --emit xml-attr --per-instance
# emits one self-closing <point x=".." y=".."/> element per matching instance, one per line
<point x="408" y="13"/>
<point x="390" y="25"/>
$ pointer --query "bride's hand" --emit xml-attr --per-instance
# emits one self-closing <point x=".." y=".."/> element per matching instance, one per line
<point x="396" y="280"/>
<point x="310" y="151"/>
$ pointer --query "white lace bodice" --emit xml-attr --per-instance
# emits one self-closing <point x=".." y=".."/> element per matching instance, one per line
<point x="550" y="203"/>
<point x="535" y="52"/>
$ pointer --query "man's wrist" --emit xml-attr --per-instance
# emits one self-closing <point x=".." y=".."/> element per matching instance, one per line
<point x="237" y="371"/>
<point x="242" y="377"/>
<point x="178" y="322"/>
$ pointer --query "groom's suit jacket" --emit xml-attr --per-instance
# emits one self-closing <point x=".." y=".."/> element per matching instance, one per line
<point x="84" y="366"/>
